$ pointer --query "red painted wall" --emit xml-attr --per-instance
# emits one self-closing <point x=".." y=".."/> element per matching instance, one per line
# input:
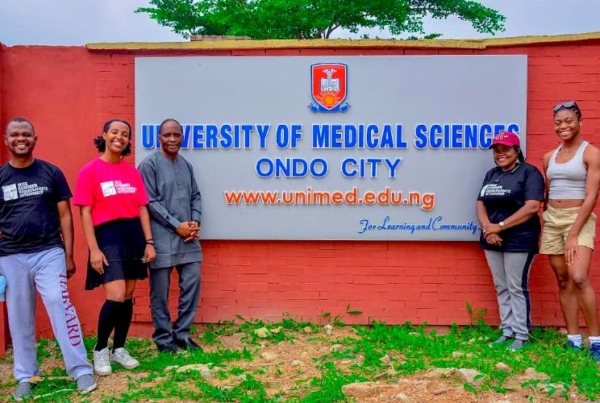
<point x="69" y="92"/>
<point x="3" y="326"/>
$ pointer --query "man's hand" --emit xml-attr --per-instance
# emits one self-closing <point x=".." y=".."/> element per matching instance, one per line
<point x="195" y="231"/>
<point x="185" y="229"/>
<point x="188" y="230"/>
<point x="71" y="269"/>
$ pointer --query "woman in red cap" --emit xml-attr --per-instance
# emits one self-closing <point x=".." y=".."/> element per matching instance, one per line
<point x="507" y="209"/>
<point x="573" y="179"/>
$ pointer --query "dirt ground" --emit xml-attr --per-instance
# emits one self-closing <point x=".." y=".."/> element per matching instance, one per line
<point x="284" y="365"/>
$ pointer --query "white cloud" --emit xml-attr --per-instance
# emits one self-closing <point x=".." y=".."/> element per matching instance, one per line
<point x="523" y="17"/>
<point x="76" y="22"/>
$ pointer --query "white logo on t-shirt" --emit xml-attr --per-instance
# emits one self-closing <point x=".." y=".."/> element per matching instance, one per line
<point x="494" y="190"/>
<point x="108" y="189"/>
<point x="21" y="190"/>
<point x="112" y="188"/>
<point x="10" y="192"/>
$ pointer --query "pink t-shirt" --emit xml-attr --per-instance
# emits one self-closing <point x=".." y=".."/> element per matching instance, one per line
<point x="113" y="191"/>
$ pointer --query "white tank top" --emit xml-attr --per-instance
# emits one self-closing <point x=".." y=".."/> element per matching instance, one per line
<point x="567" y="180"/>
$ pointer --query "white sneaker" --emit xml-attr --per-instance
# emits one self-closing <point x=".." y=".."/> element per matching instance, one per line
<point x="102" y="362"/>
<point x="122" y="357"/>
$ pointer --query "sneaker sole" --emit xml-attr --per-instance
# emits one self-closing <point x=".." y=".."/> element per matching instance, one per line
<point x="22" y="398"/>
<point x="102" y="373"/>
<point x="127" y="366"/>
<point x="88" y="390"/>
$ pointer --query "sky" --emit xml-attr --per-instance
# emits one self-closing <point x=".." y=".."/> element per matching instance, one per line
<point x="77" y="22"/>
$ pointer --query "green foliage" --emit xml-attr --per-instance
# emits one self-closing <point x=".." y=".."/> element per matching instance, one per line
<point x="470" y="388"/>
<point x="329" y="385"/>
<point x="352" y="311"/>
<point x="309" y="19"/>
<point x="476" y="317"/>
<point x="378" y="352"/>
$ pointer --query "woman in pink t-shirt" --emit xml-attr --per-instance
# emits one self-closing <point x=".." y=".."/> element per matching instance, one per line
<point x="112" y="198"/>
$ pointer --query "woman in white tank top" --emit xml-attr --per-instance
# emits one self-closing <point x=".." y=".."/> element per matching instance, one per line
<point x="572" y="179"/>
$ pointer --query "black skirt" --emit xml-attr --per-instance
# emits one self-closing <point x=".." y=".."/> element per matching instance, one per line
<point x="123" y="243"/>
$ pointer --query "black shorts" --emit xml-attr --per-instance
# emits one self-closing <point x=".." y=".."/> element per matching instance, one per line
<point x="123" y="243"/>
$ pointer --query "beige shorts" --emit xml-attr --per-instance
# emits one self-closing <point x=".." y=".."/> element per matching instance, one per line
<point x="557" y="223"/>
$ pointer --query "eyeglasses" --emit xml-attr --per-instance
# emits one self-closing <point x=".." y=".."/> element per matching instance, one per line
<point x="565" y="105"/>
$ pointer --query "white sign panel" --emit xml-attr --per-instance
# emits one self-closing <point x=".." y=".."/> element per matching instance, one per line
<point x="356" y="148"/>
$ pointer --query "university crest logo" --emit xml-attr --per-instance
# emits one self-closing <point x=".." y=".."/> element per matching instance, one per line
<point x="329" y="86"/>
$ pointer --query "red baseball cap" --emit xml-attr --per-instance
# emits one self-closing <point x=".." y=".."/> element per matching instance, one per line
<point x="509" y="139"/>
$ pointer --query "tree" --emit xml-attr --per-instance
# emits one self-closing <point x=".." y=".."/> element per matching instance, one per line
<point x="309" y="19"/>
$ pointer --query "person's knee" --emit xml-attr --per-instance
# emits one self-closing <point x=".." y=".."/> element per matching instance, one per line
<point x="564" y="281"/>
<point x="190" y="286"/>
<point x="160" y="291"/>
<point x="116" y="295"/>
<point x="580" y="280"/>
<point x="55" y="298"/>
<point x="500" y="287"/>
<point x="116" y="291"/>
<point x="517" y="289"/>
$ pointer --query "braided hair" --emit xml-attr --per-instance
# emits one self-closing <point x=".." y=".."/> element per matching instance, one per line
<point x="570" y="106"/>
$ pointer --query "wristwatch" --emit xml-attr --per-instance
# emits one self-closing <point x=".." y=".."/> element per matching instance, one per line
<point x="501" y="224"/>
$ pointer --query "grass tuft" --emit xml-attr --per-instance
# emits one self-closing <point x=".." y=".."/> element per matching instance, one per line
<point x="377" y="353"/>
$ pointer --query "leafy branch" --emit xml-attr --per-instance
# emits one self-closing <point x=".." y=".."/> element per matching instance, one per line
<point x="311" y="19"/>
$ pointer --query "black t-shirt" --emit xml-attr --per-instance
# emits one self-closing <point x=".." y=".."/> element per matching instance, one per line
<point x="29" y="199"/>
<point x="503" y="193"/>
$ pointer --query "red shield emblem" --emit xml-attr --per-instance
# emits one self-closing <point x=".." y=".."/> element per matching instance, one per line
<point x="329" y="82"/>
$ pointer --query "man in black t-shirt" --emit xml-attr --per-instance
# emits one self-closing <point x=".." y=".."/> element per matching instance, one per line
<point x="36" y="252"/>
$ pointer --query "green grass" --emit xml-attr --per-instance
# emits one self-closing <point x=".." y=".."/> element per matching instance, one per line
<point x="377" y="353"/>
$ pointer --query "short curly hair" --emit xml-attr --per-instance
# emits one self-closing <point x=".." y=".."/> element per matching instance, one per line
<point x="101" y="143"/>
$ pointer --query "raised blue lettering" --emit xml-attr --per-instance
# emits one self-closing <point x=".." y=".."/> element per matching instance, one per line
<point x="457" y="136"/>
<point x="336" y="136"/>
<point x="420" y="136"/>
<point x="198" y="134"/>
<point x="314" y="165"/>
<point x="263" y="131"/>
<point x="485" y="136"/>
<point x="350" y="138"/>
<point x="435" y="142"/>
<point x="320" y="137"/>
<point x="212" y="134"/>
<point x="400" y="143"/>
<point x="348" y="173"/>
<point x="372" y="141"/>
<point x="471" y="136"/>
<point x="387" y="141"/>
<point x="226" y="137"/>
<point x="260" y="171"/>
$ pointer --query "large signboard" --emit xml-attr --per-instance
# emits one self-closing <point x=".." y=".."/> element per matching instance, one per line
<point x="356" y="148"/>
